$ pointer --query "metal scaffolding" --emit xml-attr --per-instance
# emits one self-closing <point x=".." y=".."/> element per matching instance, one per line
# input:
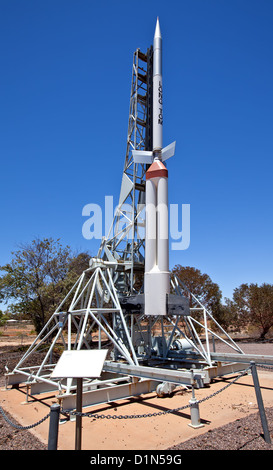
<point x="104" y="309"/>
<point x="125" y="243"/>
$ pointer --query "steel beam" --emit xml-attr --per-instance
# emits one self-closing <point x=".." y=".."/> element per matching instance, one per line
<point x="222" y="369"/>
<point x="108" y="394"/>
<point x="180" y="377"/>
<point x="243" y="358"/>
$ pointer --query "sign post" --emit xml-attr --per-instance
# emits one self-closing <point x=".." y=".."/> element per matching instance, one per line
<point x="78" y="434"/>
<point x="78" y="365"/>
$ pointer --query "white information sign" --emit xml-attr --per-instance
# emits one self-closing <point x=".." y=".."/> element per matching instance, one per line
<point x="79" y="364"/>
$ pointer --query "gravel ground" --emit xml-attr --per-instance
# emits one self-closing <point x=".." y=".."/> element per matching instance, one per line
<point x="242" y="434"/>
<point x="12" y="438"/>
<point x="17" y="439"/>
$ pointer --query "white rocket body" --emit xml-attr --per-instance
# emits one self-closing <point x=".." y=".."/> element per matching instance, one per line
<point x="157" y="92"/>
<point x="157" y="275"/>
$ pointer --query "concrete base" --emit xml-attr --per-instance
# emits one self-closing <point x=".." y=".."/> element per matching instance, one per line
<point x="196" y="426"/>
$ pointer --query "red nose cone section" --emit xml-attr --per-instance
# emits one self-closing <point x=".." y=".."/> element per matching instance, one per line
<point x="157" y="170"/>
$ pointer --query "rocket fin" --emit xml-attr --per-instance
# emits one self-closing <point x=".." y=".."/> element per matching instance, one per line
<point x="142" y="156"/>
<point x="168" y="151"/>
<point x="126" y="187"/>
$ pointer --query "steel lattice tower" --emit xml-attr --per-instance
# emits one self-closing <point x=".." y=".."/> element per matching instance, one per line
<point x="144" y="352"/>
<point x="125" y="243"/>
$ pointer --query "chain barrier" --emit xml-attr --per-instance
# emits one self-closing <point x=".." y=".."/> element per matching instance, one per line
<point x="262" y="366"/>
<point x="151" y="415"/>
<point x="145" y="415"/>
<point x="17" y="426"/>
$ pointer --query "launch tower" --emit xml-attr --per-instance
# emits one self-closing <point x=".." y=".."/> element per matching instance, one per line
<point x="155" y="330"/>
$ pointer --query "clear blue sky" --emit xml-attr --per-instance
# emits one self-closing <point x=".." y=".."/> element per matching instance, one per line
<point x="64" y="100"/>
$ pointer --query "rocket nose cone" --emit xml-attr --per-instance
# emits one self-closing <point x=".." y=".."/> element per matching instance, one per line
<point x="157" y="29"/>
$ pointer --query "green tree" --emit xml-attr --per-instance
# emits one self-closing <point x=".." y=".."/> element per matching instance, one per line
<point x="201" y="285"/>
<point x="227" y="315"/>
<point x="3" y="318"/>
<point x="254" y="305"/>
<point x="38" y="277"/>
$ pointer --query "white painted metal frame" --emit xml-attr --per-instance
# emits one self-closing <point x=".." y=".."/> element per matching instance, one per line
<point x="93" y="301"/>
<point x="194" y="337"/>
<point x="88" y="303"/>
<point x="123" y="242"/>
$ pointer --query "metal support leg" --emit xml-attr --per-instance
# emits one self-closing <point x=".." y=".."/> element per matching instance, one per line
<point x="260" y="402"/>
<point x="194" y="407"/>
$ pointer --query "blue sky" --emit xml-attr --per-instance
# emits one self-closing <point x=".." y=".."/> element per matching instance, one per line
<point x="64" y="100"/>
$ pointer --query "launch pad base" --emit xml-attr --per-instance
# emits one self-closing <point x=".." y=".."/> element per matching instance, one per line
<point x="120" y="380"/>
<point x="146" y="354"/>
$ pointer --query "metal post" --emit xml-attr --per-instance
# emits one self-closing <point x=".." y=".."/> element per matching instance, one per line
<point x="53" y="427"/>
<point x="213" y="343"/>
<point x="260" y="402"/>
<point x="27" y="394"/>
<point x="194" y="407"/>
<point x="78" y="435"/>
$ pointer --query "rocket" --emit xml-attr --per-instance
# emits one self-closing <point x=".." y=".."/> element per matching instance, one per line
<point x="157" y="274"/>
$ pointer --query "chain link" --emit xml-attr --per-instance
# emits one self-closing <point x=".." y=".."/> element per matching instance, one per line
<point x="17" y="426"/>
<point x="226" y="386"/>
<point x="151" y="415"/>
<point x="263" y="366"/>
